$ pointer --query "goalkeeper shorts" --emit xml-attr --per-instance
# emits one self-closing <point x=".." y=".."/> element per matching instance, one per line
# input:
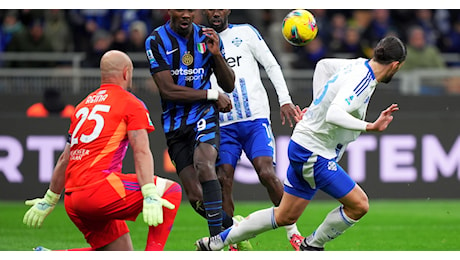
<point x="99" y="211"/>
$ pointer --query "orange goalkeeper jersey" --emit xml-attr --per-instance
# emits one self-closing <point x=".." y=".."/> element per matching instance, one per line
<point x="98" y="134"/>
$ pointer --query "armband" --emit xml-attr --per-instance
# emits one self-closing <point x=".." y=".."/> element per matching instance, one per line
<point x="212" y="94"/>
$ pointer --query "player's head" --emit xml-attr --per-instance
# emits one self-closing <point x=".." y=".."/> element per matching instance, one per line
<point x="181" y="21"/>
<point x="117" y="68"/>
<point x="391" y="53"/>
<point x="217" y="18"/>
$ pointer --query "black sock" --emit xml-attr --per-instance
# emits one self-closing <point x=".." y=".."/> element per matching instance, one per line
<point x="227" y="221"/>
<point x="212" y="198"/>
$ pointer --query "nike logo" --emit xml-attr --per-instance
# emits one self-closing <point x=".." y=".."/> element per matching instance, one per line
<point x="169" y="52"/>
<point x="212" y="215"/>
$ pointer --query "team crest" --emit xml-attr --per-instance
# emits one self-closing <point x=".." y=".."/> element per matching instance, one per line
<point x="201" y="47"/>
<point x="187" y="59"/>
<point x="237" y="42"/>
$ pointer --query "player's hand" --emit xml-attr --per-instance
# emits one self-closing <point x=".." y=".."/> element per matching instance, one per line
<point x="224" y="104"/>
<point x="385" y="118"/>
<point x="212" y="41"/>
<point x="301" y="113"/>
<point x="290" y="112"/>
<point x="41" y="207"/>
<point x="153" y="205"/>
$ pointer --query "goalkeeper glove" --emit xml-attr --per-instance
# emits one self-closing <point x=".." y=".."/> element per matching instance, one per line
<point x="41" y="207"/>
<point x="153" y="205"/>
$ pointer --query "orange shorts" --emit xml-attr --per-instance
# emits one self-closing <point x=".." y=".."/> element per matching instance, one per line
<point x="99" y="211"/>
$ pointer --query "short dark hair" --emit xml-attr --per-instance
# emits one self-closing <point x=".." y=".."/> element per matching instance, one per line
<point x="390" y="49"/>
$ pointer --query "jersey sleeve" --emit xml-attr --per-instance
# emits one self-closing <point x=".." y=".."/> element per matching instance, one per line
<point x="138" y="116"/>
<point x="156" y="54"/>
<point x="266" y="58"/>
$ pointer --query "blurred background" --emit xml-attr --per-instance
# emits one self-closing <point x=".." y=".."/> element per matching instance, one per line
<point x="49" y="61"/>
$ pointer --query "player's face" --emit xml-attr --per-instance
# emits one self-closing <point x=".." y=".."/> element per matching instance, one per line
<point x="181" y="21"/>
<point x="217" y="18"/>
<point x="394" y="68"/>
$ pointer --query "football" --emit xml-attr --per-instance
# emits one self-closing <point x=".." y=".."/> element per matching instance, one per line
<point x="299" y="27"/>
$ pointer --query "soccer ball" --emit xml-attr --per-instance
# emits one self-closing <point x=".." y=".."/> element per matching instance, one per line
<point x="299" y="27"/>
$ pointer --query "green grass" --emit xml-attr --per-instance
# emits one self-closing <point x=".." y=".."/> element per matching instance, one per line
<point x="390" y="225"/>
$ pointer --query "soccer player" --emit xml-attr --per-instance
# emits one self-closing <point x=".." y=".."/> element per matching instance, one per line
<point x="182" y="57"/>
<point x="336" y="116"/>
<point x="98" y="197"/>
<point x="247" y="126"/>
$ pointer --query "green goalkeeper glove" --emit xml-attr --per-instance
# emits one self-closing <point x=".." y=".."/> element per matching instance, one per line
<point x="153" y="205"/>
<point x="41" y="207"/>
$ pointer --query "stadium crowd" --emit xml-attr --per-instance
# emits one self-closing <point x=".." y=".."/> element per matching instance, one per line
<point x="350" y="32"/>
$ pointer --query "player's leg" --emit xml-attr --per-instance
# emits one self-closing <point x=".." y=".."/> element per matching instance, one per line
<point x="102" y="225"/>
<point x="290" y="209"/>
<point x="229" y="153"/>
<point x="181" y="151"/>
<point x="267" y="176"/>
<point x="260" y="148"/>
<point x="123" y="243"/>
<point x="157" y="236"/>
<point x="354" y="206"/>
<point x="225" y="174"/>
<point x="194" y="192"/>
<point x="204" y="159"/>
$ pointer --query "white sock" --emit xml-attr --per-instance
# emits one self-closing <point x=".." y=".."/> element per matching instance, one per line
<point x="291" y="230"/>
<point x="335" y="223"/>
<point x="254" y="224"/>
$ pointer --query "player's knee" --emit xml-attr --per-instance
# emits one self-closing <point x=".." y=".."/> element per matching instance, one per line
<point x="364" y="207"/>
<point x="285" y="220"/>
<point x="204" y="166"/>
<point x="360" y="209"/>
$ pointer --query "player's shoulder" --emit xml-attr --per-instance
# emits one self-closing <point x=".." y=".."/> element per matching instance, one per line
<point x="246" y="29"/>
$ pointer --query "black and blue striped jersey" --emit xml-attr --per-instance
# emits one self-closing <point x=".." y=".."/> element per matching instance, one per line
<point x="191" y="65"/>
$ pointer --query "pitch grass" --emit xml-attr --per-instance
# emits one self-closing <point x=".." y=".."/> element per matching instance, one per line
<point x="390" y="225"/>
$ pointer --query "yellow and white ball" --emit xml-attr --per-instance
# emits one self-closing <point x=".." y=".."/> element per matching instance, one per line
<point x="299" y="27"/>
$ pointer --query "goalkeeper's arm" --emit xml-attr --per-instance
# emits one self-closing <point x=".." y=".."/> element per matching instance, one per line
<point x="143" y="164"/>
<point x="42" y="207"/>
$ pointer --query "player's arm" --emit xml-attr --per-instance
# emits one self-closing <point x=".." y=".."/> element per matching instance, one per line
<point x="143" y="158"/>
<point x="42" y="207"/>
<point x="337" y="115"/>
<point x="265" y="57"/>
<point x="173" y="92"/>
<point x="340" y="117"/>
<point x="224" y="74"/>
<point x="58" y="178"/>
<point x="143" y="164"/>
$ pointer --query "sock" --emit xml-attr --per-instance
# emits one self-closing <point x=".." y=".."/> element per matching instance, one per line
<point x="291" y="230"/>
<point x="212" y="201"/>
<point x="157" y="236"/>
<point x="227" y="221"/>
<point x="256" y="223"/>
<point x="335" y="223"/>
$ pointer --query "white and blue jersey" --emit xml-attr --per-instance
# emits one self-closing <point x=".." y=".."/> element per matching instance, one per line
<point x="317" y="145"/>
<point x="346" y="83"/>
<point x="245" y="49"/>
<point x="247" y="126"/>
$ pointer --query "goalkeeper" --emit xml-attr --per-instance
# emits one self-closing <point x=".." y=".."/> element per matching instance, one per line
<point x="98" y="197"/>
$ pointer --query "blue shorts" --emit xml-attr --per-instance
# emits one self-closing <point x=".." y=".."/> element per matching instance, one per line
<point x="309" y="172"/>
<point x="255" y="138"/>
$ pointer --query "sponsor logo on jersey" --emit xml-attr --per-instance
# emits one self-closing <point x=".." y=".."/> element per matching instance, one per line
<point x="190" y="74"/>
